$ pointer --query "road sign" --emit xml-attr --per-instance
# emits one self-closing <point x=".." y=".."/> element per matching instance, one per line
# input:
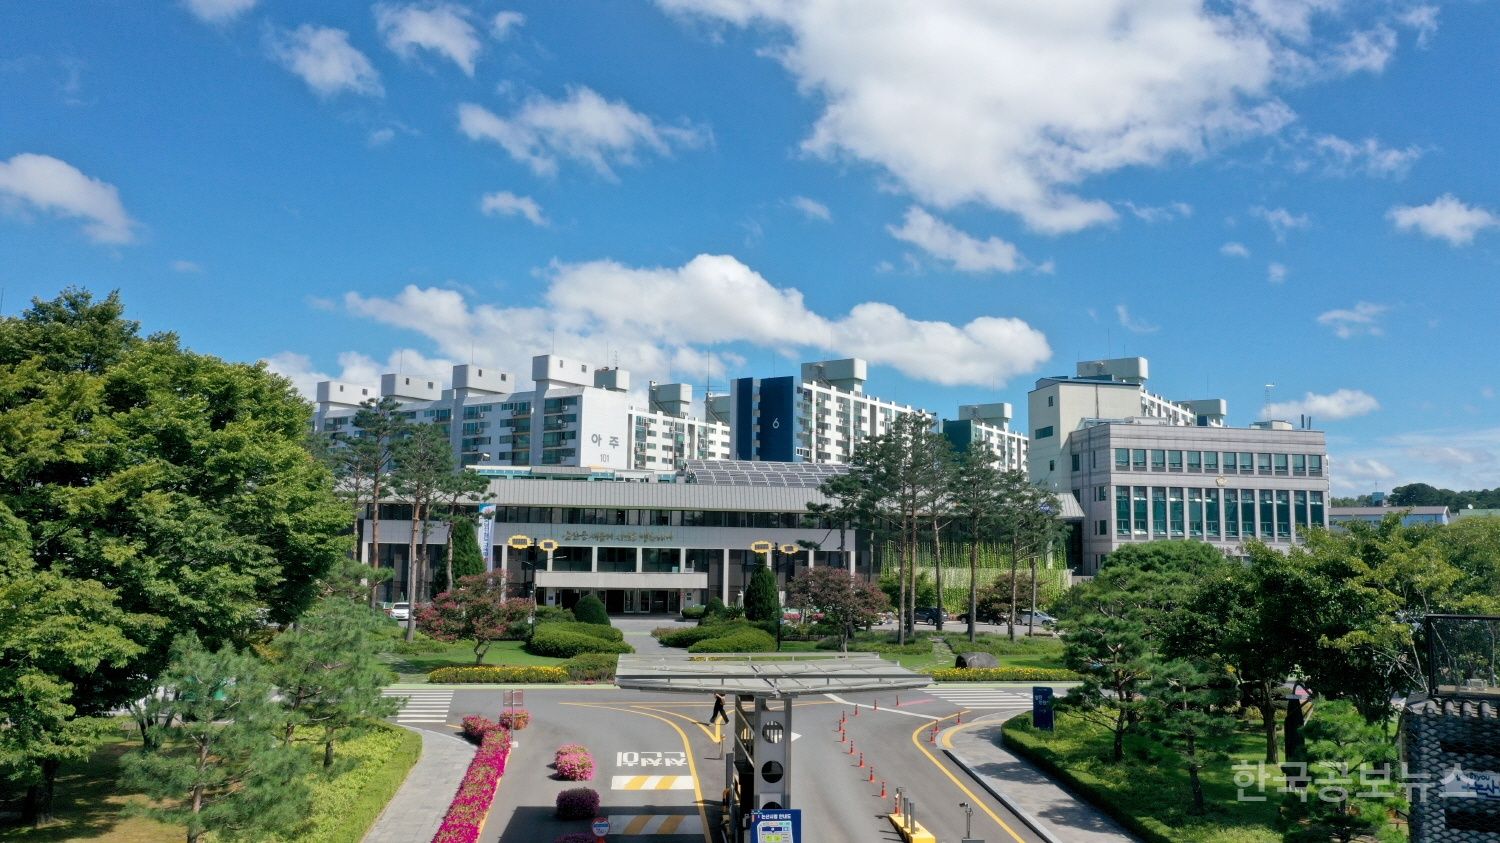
<point x="601" y="827"/>
<point x="783" y="826"/>
<point x="1041" y="707"/>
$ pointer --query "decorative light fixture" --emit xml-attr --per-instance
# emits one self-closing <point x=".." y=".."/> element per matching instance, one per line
<point x="547" y="545"/>
<point x="762" y="546"/>
<point x="789" y="549"/>
<point x="518" y="542"/>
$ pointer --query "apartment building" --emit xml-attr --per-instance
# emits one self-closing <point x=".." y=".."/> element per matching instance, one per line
<point x="989" y="425"/>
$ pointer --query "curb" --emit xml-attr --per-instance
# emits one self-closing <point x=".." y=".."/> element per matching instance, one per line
<point x="1031" y="822"/>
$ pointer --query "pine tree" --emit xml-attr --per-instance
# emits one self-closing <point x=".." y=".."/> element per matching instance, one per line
<point x="221" y="767"/>
<point x="468" y="558"/>
<point x="424" y="468"/>
<point x="364" y="470"/>
<point x="761" y="600"/>
<point x="973" y="489"/>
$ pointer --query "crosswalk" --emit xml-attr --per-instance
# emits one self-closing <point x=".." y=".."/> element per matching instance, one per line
<point x="632" y="824"/>
<point x="976" y="698"/>
<point x="422" y="706"/>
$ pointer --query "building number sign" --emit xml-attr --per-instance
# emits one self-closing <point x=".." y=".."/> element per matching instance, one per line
<point x="651" y="759"/>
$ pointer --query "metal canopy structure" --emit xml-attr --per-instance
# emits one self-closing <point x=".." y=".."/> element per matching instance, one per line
<point x="766" y="675"/>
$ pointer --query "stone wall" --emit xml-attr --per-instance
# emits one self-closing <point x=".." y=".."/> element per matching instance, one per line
<point x="1441" y="736"/>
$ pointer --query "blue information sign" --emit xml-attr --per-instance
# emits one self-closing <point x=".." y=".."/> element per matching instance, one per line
<point x="1041" y="707"/>
<point x="776" y="826"/>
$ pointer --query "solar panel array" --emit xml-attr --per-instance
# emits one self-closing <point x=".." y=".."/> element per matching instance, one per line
<point x="749" y="473"/>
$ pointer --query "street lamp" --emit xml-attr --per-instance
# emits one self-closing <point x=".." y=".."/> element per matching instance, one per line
<point x="968" y="820"/>
<point x="519" y="542"/>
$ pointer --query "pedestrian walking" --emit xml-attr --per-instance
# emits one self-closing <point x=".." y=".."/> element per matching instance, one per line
<point x="718" y="709"/>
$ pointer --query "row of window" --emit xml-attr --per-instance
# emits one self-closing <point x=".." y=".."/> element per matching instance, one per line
<point x="659" y="517"/>
<point x="1212" y="462"/>
<point x="1176" y="512"/>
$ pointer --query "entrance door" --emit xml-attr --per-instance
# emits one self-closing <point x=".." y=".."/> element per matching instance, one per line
<point x="659" y="602"/>
<point x="614" y="601"/>
<point x="643" y="602"/>
<point x="568" y="598"/>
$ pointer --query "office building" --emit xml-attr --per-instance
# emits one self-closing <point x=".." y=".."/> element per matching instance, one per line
<point x="574" y="415"/>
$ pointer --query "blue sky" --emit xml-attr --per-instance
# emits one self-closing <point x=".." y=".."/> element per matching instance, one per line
<point x="1297" y="192"/>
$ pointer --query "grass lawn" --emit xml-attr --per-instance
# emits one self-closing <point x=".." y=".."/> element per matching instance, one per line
<point x="1036" y="651"/>
<point x="1151" y="788"/>
<point x="91" y="804"/>
<point x="414" y="668"/>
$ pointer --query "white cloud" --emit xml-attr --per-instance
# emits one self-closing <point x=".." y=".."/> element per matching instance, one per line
<point x="583" y="126"/>
<point x="965" y="252"/>
<point x="1453" y="458"/>
<point x="811" y="208"/>
<point x="1234" y="250"/>
<point x="505" y="23"/>
<point x="186" y="266"/>
<point x="218" y="12"/>
<point x="1134" y="324"/>
<point x="1362" y="319"/>
<point x="31" y="182"/>
<point x="381" y="137"/>
<point x="1334" y="406"/>
<point x="1014" y="105"/>
<point x="1444" y="218"/>
<point x="356" y="368"/>
<point x="1159" y="213"/>
<point x="1422" y="19"/>
<point x="443" y="28"/>
<point x="1368" y="156"/>
<point x="506" y="204"/>
<point x="1356" y="472"/>
<point x="1486" y="392"/>
<point x="324" y="59"/>
<point x="716" y="300"/>
<point x="1280" y="220"/>
<point x="1276" y="273"/>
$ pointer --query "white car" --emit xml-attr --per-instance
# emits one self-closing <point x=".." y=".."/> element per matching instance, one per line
<point x="399" y="611"/>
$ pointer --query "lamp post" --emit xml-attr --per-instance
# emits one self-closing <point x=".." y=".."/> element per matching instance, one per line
<point x="968" y="820"/>
<point x="519" y="542"/>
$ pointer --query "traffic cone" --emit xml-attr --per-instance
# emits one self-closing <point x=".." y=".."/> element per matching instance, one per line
<point x="872" y="773"/>
<point x="932" y="735"/>
<point x="851" y="747"/>
<point x="876" y="707"/>
<point x="897" y="812"/>
<point x="861" y="760"/>
<point x="960" y="717"/>
<point x="882" y="788"/>
<point x="898" y="700"/>
<point x="856" y="711"/>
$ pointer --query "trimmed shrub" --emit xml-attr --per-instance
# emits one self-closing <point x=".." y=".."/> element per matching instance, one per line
<point x="575" y="764"/>
<point x="743" y="641"/>
<point x="568" y="749"/>
<point x="592" y="667"/>
<point x="602" y="631"/>
<point x="476" y="727"/>
<point x="514" y="719"/>
<point x="693" y="613"/>
<point x="471" y="804"/>
<point x="578" y="803"/>
<point x="714" y="609"/>
<point x="1003" y="674"/>
<point x="761" y="600"/>
<point x="550" y="640"/>
<point x="552" y="614"/>
<point x="591" y="610"/>
<point x="498" y="674"/>
<point x="686" y="636"/>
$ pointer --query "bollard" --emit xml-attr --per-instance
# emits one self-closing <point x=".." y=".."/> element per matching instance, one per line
<point x="898" y="700"/>
<point x="911" y="814"/>
<point x="856" y="711"/>
<point x="876" y="706"/>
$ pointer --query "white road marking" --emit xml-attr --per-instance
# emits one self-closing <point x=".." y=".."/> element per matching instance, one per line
<point x="982" y="697"/>
<point x="840" y="700"/>
<point x="422" y="706"/>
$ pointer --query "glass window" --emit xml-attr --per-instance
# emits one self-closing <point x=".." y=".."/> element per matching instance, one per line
<point x="1138" y="459"/>
<point x="1262" y="463"/>
<point x="1101" y="527"/>
<point x="1299" y="465"/>
<point x="1231" y="462"/>
<point x="1042" y="432"/>
<point x="1122" y="510"/>
<point x="1075" y="462"/>
<point x="1174" y="461"/>
<point x="570" y="559"/>
<point x="1315" y="509"/>
<point x="1158" y="460"/>
<point x="1210" y="462"/>
<point x="1158" y="511"/>
<point x="1195" y="513"/>
<point x="617" y="560"/>
<point x="1175" y="496"/>
<point x="1122" y="459"/>
<point x="1267" y="515"/>
<point x="1299" y="509"/>
<point x="1247" y="513"/>
<point x="1211" y="516"/>
<point x="1247" y="462"/>
<point x="1279" y="461"/>
<point x="1195" y="462"/>
<point x="1283" y="514"/>
<point x="1315" y="465"/>
<point x="660" y="560"/>
<point x="1231" y="513"/>
<point x="1138" y="504"/>
<point x="1101" y="493"/>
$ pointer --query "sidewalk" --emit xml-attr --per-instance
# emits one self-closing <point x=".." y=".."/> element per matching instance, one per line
<point x="413" y="815"/>
<point x="1051" y="811"/>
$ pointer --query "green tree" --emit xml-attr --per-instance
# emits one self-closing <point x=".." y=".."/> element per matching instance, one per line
<point x="1184" y="712"/>
<point x="477" y="610"/>
<point x="364" y="467"/>
<point x="973" y="494"/>
<point x="455" y="499"/>
<point x="590" y="609"/>
<point x="468" y="559"/>
<point x="221" y="767"/>
<point x="424" y="469"/>
<point x="328" y="672"/>
<point x="761" y="600"/>
<point x="1341" y="744"/>
<point x="1027" y="521"/>
<point x="846" y="602"/>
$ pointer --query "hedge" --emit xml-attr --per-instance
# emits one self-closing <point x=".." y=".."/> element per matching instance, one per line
<point x="1003" y="674"/>
<point x="742" y="641"/>
<point x="552" y="640"/>
<point x="693" y="613"/>
<point x="592" y="667"/>
<point x="498" y="674"/>
<point x="596" y="630"/>
<point x="347" y="804"/>
<point x="686" y="636"/>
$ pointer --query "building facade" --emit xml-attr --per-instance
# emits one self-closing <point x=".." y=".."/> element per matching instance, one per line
<point x="989" y="425"/>
<point x="1410" y="515"/>
<point x="1143" y="480"/>
<point x="574" y="415"/>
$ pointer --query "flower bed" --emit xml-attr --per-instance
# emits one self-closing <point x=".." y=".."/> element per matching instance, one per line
<point x="574" y="763"/>
<point x="476" y="727"/>
<point x="471" y="805"/>
<point x="579" y="803"/>
<point x="1003" y="674"/>
<point x="515" y="719"/>
<point x="498" y="675"/>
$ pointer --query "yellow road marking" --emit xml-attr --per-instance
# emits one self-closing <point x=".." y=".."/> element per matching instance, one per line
<point x="637" y="825"/>
<point x="687" y="746"/>
<point x="949" y="733"/>
<point x="916" y="740"/>
<point x="636" y="782"/>
<point x="669" y="825"/>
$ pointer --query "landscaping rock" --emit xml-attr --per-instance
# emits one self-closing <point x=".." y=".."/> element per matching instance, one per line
<point x="972" y="660"/>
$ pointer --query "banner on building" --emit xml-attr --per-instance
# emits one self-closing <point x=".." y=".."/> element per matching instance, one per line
<point x="486" y="535"/>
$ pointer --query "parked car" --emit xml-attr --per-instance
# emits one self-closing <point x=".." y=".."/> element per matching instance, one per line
<point x="985" y="616"/>
<point x="399" y="611"/>
<point x="1043" y="619"/>
<point x="927" y="614"/>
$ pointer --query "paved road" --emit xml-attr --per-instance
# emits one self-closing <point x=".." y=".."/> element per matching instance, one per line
<point x="661" y="776"/>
